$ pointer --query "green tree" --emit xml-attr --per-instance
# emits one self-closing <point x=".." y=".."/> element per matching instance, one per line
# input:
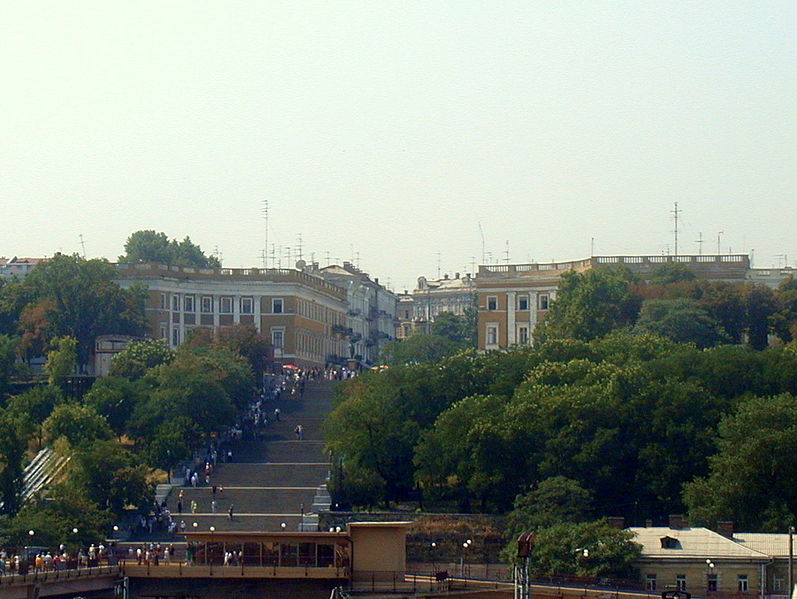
<point x="418" y="348"/>
<point x="681" y="320"/>
<point x="760" y="305"/>
<point x="31" y="409"/>
<point x="750" y="481"/>
<point x="139" y="356"/>
<point x="459" y="329"/>
<point x="590" y="304"/>
<point x="8" y="359"/>
<point x="12" y="452"/>
<point x="80" y="299"/>
<point x="553" y="500"/>
<point x="116" y="398"/>
<point x="585" y="549"/>
<point x="671" y="272"/>
<point x="61" y="361"/>
<point x="110" y="476"/>
<point x="53" y="518"/>
<point x="149" y="246"/>
<point x="78" y="424"/>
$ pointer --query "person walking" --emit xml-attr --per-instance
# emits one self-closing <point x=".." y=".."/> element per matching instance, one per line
<point x="193" y="506"/>
<point x="213" y="506"/>
<point x="277" y="414"/>
<point x="230" y="511"/>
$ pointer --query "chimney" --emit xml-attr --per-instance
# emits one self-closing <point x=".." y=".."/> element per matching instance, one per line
<point x="456" y="275"/>
<point x="648" y="523"/>
<point x="678" y="521"/>
<point x="616" y="522"/>
<point x="725" y="528"/>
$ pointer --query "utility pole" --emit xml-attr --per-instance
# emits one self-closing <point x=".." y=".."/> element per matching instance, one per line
<point x="675" y="213"/>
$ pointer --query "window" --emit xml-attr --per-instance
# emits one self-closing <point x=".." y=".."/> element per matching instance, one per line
<point x="247" y="305"/>
<point x="406" y="314"/>
<point x="407" y="330"/>
<point x="225" y="305"/>
<point x="711" y="583"/>
<point x="523" y="302"/>
<point x="276" y="305"/>
<point x="164" y="333"/>
<point x="523" y="335"/>
<point x="175" y="336"/>
<point x="163" y="301"/>
<point x="188" y="303"/>
<point x="492" y="334"/>
<point x="176" y="303"/>
<point x="492" y="303"/>
<point x="543" y="300"/>
<point x="777" y="583"/>
<point x="650" y="582"/>
<point x="742" y="583"/>
<point x="206" y="304"/>
<point x="680" y="582"/>
<point x="278" y="338"/>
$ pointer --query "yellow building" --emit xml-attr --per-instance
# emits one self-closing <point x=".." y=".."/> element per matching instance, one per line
<point x="300" y="313"/>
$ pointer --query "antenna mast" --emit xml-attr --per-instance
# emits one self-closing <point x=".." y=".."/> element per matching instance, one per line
<point x="675" y="213"/>
<point x="699" y="243"/>
<point x="83" y="245"/>
<point x="481" y="232"/>
<point x="265" y="232"/>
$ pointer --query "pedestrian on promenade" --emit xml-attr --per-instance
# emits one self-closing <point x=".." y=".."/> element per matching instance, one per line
<point x="277" y="414"/>
<point x="230" y="511"/>
<point x="213" y="506"/>
<point x="193" y="506"/>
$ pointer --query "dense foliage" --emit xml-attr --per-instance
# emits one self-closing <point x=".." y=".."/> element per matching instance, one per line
<point x="149" y="246"/>
<point x="624" y="420"/>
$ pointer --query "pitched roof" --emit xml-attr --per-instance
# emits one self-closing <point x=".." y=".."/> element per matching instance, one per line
<point x="691" y="542"/>
<point x="773" y="544"/>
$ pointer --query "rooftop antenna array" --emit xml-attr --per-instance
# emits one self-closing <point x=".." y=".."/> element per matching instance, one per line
<point x="506" y="252"/>
<point x="83" y="245"/>
<point x="699" y="243"/>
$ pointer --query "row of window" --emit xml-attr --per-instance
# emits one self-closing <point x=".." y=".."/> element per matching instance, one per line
<point x="521" y="304"/>
<point x="522" y="335"/>
<point x="742" y="582"/>
<point x="225" y="304"/>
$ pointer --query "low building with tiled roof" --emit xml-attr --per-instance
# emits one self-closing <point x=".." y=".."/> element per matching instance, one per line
<point x="707" y="563"/>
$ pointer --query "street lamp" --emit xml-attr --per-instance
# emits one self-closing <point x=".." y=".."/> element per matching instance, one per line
<point x="212" y="530"/>
<point x="711" y="580"/>
<point x="282" y="526"/>
<point x="791" y="560"/>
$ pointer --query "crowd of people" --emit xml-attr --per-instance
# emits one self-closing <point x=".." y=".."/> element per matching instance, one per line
<point x="39" y="559"/>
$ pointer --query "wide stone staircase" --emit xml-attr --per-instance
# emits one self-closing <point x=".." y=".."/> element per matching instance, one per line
<point x="271" y="481"/>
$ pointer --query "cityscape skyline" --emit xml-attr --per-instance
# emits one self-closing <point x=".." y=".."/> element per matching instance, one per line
<point x="408" y="138"/>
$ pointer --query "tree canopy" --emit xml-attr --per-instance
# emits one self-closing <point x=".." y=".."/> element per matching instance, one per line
<point x="149" y="246"/>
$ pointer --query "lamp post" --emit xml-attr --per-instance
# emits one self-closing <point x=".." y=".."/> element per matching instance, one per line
<point x="711" y="581"/>
<point x="212" y="530"/>
<point x="432" y="547"/>
<point x="791" y="560"/>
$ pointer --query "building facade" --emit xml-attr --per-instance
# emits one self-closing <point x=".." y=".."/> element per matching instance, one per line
<point x="713" y="564"/>
<point x="17" y="267"/>
<point x="371" y="313"/>
<point x="300" y="313"/>
<point x="417" y="310"/>
<point x="513" y="298"/>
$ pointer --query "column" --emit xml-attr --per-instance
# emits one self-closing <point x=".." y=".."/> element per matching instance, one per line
<point x="511" y="333"/>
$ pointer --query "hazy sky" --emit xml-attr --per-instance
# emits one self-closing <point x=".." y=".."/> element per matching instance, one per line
<point x="392" y="129"/>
